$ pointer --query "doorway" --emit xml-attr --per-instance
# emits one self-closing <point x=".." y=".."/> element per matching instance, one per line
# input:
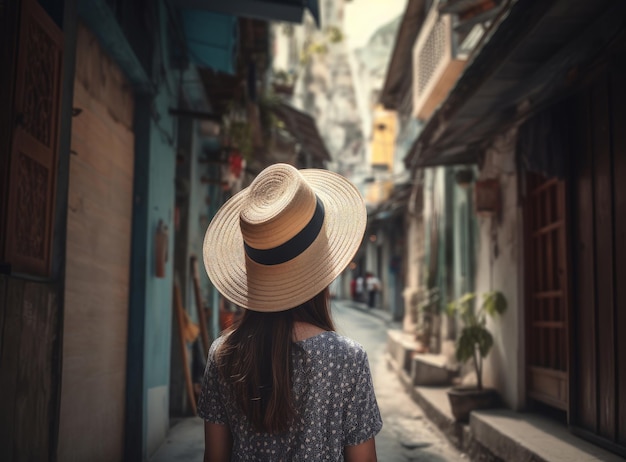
<point x="546" y="292"/>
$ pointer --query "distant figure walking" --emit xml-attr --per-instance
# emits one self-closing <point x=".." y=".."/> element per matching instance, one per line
<point x="353" y="289"/>
<point x="372" y="285"/>
<point x="359" y="289"/>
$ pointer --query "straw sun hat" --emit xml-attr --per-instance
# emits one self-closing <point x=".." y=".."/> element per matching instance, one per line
<point x="283" y="239"/>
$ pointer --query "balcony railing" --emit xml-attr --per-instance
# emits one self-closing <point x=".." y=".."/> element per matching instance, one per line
<point x="437" y="61"/>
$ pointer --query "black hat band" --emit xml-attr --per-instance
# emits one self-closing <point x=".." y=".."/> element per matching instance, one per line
<point x="294" y="246"/>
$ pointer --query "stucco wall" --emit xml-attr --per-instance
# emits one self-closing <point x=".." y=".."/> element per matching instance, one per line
<point x="464" y="239"/>
<point x="158" y="312"/>
<point x="158" y="309"/>
<point x="498" y="268"/>
<point x="413" y="262"/>
<point x="95" y="315"/>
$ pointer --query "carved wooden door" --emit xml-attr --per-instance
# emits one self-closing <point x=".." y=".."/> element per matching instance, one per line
<point x="32" y="178"/>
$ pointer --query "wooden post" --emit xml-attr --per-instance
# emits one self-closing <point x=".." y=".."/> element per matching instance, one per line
<point x="199" y="304"/>
<point x="180" y="316"/>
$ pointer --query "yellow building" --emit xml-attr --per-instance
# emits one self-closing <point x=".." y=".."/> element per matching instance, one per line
<point x="382" y="147"/>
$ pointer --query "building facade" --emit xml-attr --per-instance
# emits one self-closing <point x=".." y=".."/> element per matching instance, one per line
<point x="528" y="128"/>
<point x="117" y="146"/>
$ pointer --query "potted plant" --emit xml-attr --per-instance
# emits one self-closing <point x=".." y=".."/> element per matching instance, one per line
<point x="474" y="343"/>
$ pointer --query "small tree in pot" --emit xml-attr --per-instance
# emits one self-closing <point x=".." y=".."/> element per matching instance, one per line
<point x="474" y="343"/>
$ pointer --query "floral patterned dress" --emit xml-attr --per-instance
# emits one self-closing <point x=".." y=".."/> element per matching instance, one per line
<point x="333" y="393"/>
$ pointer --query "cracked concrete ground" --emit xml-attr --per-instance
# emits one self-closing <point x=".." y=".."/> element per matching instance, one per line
<point x="407" y="435"/>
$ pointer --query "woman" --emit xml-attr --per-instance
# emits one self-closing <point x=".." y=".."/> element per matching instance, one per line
<point x="281" y="384"/>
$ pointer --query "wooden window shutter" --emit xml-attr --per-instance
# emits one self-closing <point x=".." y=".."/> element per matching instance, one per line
<point x="33" y="161"/>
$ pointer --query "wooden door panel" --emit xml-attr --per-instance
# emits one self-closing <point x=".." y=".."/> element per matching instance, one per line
<point x="33" y="161"/>
<point x="548" y="386"/>
<point x="30" y="209"/>
<point x="585" y="332"/>
<point x="546" y="281"/>
<point x="618" y="141"/>
<point x="599" y="255"/>
<point x="603" y="203"/>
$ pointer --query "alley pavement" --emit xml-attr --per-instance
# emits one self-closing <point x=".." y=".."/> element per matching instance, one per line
<point x="406" y="435"/>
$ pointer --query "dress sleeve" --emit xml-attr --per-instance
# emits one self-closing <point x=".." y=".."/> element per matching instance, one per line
<point x="211" y="403"/>
<point x="362" y="419"/>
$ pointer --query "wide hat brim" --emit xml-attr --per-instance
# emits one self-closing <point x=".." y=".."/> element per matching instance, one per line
<point x="287" y="285"/>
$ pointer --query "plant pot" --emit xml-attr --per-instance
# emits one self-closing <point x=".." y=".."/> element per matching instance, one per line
<point x="464" y="400"/>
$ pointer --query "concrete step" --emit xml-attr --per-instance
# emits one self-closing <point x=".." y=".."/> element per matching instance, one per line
<point x="432" y="370"/>
<point x="513" y="435"/>
<point x="423" y="368"/>
<point x="497" y="435"/>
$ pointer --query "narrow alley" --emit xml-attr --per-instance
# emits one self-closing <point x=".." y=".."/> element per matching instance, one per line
<point x="448" y="172"/>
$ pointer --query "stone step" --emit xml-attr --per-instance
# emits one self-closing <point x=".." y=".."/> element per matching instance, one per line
<point x="423" y="368"/>
<point x="432" y="370"/>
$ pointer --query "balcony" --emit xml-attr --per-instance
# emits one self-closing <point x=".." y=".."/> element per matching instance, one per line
<point x="437" y="61"/>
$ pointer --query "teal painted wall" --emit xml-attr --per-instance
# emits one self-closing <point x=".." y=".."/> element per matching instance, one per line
<point x="160" y="207"/>
<point x="143" y="54"/>
<point x="158" y="317"/>
<point x="217" y="199"/>
<point x="203" y="201"/>
<point x="451" y="207"/>
<point x="158" y="302"/>
<point x="436" y="220"/>
<point x="464" y="241"/>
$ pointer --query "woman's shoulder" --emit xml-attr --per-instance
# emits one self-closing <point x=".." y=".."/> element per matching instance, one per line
<point x="332" y="342"/>
<point x="349" y="343"/>
<point x="215" y="346"/>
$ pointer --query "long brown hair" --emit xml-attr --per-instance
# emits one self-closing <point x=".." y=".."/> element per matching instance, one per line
<point x="255" y="361"/>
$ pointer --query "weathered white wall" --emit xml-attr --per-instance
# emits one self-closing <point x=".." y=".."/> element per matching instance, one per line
<point x="385" y="300"/>
<point x="413" y="259"/>
<point x="499" y="268"/>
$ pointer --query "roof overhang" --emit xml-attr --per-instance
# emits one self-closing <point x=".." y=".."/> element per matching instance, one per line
<point x="211" y="39"/>
<point x="304" y="129"/>
<point x="396" y="204"/>
<point x="398" y="81"/>
<point x="268" y="10"/>
<point x="533" y="57"/>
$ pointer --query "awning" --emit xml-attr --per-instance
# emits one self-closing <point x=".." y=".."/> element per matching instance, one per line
<point x="530" y="62"/>
<point x="268" y="10"/>
<point x="396" y="204"/>
<point x="303" y="128"/>
<point x="399" y="82"/>
<point x="211" y="39"/>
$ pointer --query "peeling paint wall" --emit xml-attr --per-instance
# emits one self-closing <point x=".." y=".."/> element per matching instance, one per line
<point x="413" y="260"/>
<point x="499" y="268"/>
